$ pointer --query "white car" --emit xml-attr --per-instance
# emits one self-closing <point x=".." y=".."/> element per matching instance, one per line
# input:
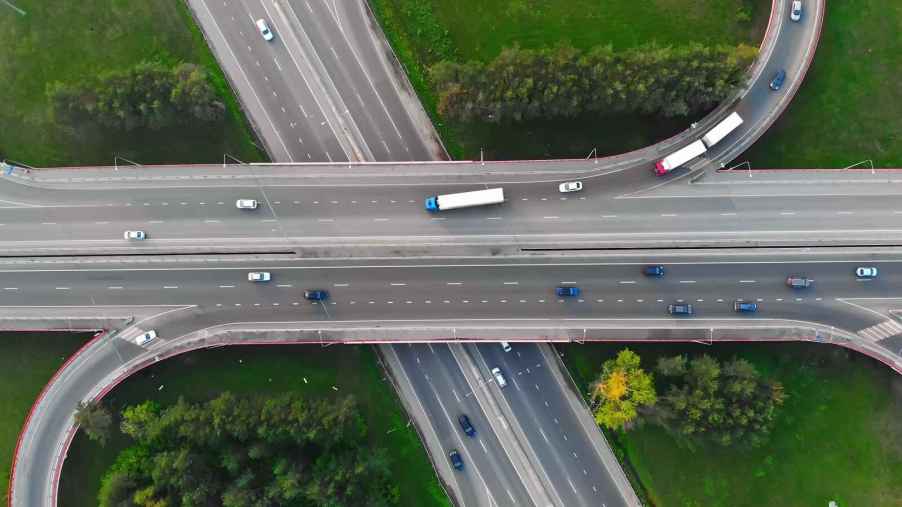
<point x="146" y="337"/>
<point x="795" y="13"/>
<point x="499" y="377"/>
<point x="246" y="204"/>
<point x="258" y="276"/>
<point x="264" y="30"/>
<point x="138" y="235"/>
<point x="505" y="346"/>
<point x="570" y="186"/>
<point x="866" y="272"/>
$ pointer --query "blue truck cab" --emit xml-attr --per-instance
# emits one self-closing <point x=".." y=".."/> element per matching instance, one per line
<point x="432" y="203"/>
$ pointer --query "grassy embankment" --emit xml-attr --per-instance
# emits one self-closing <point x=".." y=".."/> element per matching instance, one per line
<point x="63" y="41"/>
<point x="423" y="31"/>
<point x="849" y="108"/>
<point x="310" y="370"/>
<point x="838" y="437"/>
<point x="26" y="364"/>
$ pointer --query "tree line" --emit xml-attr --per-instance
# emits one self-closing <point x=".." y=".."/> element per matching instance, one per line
<point x="148" y="95"/>
<point x="727" y="403"/>
<point x="247" y="452"/>
<point x="563" y="82"/>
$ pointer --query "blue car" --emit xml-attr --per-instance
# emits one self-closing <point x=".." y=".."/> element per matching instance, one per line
<point x="316" y="295"/>
<point x="653" y="270"/>
<point x="466" y="426"/>
<point x="680" y="309"/>
<point x="456" y="461"/>
<point x="567" y="292"/>
<point x="777" y="82"/>
<point x="744" y="307"/>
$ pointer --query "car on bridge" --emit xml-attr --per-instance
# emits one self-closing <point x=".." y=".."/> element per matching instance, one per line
<point x="744" y="307"/>
<point x="259" y="276"/>
<point x="795" y="12"/>
<point x="316" y="295"/>
<point x="655" y="271"/>
<point x="866" y="272"/>
<point x="568" y="292"/>
<point x="680" y="309"/>
<point x="145" y="338"/>
<point x="246" y="204"/>
<point x="465" y="425"/>
<point x="570" y="186"/>
<point x="456" y="461"/>
<point x="798" y="281"/>
<point x="777" y="82"/>
<point x="136" y="235"/>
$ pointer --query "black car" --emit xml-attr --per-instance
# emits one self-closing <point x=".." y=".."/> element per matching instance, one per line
<point x="777" y="82"/>
<point x="456" y="461"/>
<point x="465" y="425"/>
<point x="798" y="282"/>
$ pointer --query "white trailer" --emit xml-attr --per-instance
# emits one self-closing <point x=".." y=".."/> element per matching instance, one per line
<point x="722" y="129"/>
<point x="464" y="199"/>
<point x="679" y="157"/>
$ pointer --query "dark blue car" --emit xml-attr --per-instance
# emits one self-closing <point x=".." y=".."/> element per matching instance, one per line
<point x="466" y="426"/>
<point x="456" y="461"/>
<point x="744" y="307"/>
<point x="680" y="309"/>
<point x="316" y="295"/>
<point x="653" y="270"/>
<point x="777" y="82"/>
<point x="567" y="292"/>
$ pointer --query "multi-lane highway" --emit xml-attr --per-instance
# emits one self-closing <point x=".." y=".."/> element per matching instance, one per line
<point x="353" y="106"/>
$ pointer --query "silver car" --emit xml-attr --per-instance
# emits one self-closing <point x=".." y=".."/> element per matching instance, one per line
<point x="499" y="377"/>
<point x="570" y="186"/>
<point x="246" y="204"/>
<point x="866" y="272"/>
<point x="136" y="235"/>
<point x="795" y="13"/>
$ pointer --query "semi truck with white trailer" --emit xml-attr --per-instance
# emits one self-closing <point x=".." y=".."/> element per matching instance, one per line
<point x="722" y="129"/>
<point x="447" y="202"/>
<point x="699" y="147"/>
<point x="679" y="157"/>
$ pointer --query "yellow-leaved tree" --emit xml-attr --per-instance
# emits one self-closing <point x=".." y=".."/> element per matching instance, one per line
<point x="621" y="390"/>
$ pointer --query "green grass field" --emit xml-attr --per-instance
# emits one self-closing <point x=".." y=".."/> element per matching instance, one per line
<point x="422" y="31"/>
<point x="62" y="41"/>
<point x="849" y="108"/>
<point x="259" y="371"/>
<point x="839" y="436"/>
<point x="26" y="364"/>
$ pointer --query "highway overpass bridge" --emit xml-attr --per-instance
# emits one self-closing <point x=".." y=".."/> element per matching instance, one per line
<point x="397" y="273"/>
